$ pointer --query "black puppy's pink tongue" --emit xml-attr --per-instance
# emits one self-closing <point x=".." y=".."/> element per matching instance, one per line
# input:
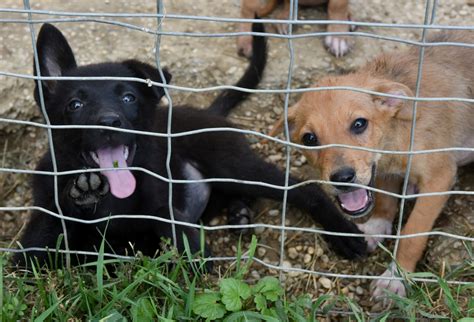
<point x="354" y="200"/>
<point x="122" y="182"/>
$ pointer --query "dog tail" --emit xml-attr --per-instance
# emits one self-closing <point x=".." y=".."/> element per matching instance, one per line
<point x="230" y="98"/>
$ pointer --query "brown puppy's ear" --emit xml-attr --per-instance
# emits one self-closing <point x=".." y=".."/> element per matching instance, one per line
<point x="401" y="108"/>
<point x="280" y="124"/>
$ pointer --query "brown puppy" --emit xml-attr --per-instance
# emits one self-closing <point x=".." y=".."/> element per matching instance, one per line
<point x="337" y="10"/>
<point x="372" y="121"/>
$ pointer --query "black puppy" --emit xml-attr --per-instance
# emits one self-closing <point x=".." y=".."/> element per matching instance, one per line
<point x="134" y="105"/>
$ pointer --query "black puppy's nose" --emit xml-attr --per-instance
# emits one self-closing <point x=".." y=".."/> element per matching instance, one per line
<point x="346" y="175"/>
<point x="110" y="120"/>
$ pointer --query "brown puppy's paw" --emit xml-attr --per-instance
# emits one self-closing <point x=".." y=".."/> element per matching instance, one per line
<point x="338" y="46"/>
<point x="375" y="226"/>
<point x="382" y="288"/>
<point x="244" y="46"/>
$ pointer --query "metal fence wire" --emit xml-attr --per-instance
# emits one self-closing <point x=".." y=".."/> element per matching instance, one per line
<point x="160" y="15"/>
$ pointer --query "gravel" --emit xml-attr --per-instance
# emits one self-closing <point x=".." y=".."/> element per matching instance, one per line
<point x="199" y="62"/>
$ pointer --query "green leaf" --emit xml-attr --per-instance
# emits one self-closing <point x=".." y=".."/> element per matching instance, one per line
<point x="260" y="302"/>
<point x="47" y="313"/>
<point x="233" y="291"/>
<point x="114" y="316"/>
<point x="143" y="310"/>
<point x="206" y="305"/>
<point x="249" y="316"/>
<point x="269" y="287"/>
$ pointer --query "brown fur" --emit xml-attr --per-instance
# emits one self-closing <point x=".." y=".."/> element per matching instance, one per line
<point x="447" y="72"/>
<point x="337" y="10"/>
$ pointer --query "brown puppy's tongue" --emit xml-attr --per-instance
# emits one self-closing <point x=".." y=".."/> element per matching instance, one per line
<point x="354" y="200"/>
<point x="122" y="182"/>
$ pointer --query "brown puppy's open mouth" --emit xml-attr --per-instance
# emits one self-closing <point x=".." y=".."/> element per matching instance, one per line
<point x="359" y="202"/>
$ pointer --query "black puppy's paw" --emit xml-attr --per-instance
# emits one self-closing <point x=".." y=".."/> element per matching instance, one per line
<point x="349" y="247"/>
<point x="240" y="216"/>
<point x="88" y="188"/>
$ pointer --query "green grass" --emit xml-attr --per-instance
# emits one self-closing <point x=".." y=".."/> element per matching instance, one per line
<point x="152" y="289"/>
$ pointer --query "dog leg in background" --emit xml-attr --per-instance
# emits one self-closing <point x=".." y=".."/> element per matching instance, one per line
<point x="338" y="45"/>
<point x="384" y="212"/>
<point x="422" y="219"/>
<point x="248" y="8"/>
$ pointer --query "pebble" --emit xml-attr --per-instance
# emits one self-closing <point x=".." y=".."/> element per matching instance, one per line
<point x="275" y="157"/>
<point x="292" y="253"/>
<point x="261" y="251"/>
<point x="307" y="258"/>
<point x="325" y="282"/>
<point x="286" y="264"/>
<point x="299" y="248"/>
<point x="274" y="212"/>
<point x="359" y="290"/>
<point x="259" y="229"/>
<point x="310" y="250"/>
<point x="214" y="222"/>
<point x="255" y="275"/>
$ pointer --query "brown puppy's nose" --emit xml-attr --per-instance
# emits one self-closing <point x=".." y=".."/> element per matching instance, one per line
<point x="345" y="175"/>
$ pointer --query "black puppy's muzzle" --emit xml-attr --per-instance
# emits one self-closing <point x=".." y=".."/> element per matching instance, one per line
<point x="95" y="139"/>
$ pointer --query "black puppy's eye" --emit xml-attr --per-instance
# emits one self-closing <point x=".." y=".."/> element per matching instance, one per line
<point x="310" y="139"/>
<point x="128" y="98"/>
<point x="359" y="125"/>
<point x="75" y="105"/>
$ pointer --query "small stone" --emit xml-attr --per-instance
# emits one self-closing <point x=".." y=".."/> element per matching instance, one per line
<point x="319" y="252"/>
<point x="325" y="282"/>
<point x="359" y="290"/>
<point x="299" y="248"/>
<point x="325" y="259"/>
<point x="286" y="264"/>
<point x="259" y="229"/>
<point x="214" y="222"/>
<point x="274" y="212"/>
<point x="307" y="258"/>
<point x="261" y="251"/>
<point x="255" y="275"/>
<point x="232" y="70"/>
<point x="275" y="157"/>
<point x="292" y="253"/>
<point x="310" y="250"/>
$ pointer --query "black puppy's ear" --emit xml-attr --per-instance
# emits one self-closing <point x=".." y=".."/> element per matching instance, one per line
<point x="147" y="71"/>
<point x="54" y="54"/>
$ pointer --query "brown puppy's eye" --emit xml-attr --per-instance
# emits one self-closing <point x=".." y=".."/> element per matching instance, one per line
<point x="359" y="125"/>
<point x="310" y="139"/>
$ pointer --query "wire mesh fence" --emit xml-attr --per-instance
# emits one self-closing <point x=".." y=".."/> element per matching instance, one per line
<point x="33" y="18"/>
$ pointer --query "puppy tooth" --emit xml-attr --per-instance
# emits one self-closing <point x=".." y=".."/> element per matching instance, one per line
<point x="82" y="182"/>
<point x="94" y="181"/>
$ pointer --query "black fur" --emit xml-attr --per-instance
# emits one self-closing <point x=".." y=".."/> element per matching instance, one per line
<point x="209" y="155"/>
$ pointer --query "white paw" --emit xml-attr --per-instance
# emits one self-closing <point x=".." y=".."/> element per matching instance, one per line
<point x="378" y="226"/>
<point x="380" y="287"/>
<point x="338" y="46"/>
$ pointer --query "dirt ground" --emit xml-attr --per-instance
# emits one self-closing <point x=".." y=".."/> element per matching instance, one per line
<point x="201" y="62"/>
